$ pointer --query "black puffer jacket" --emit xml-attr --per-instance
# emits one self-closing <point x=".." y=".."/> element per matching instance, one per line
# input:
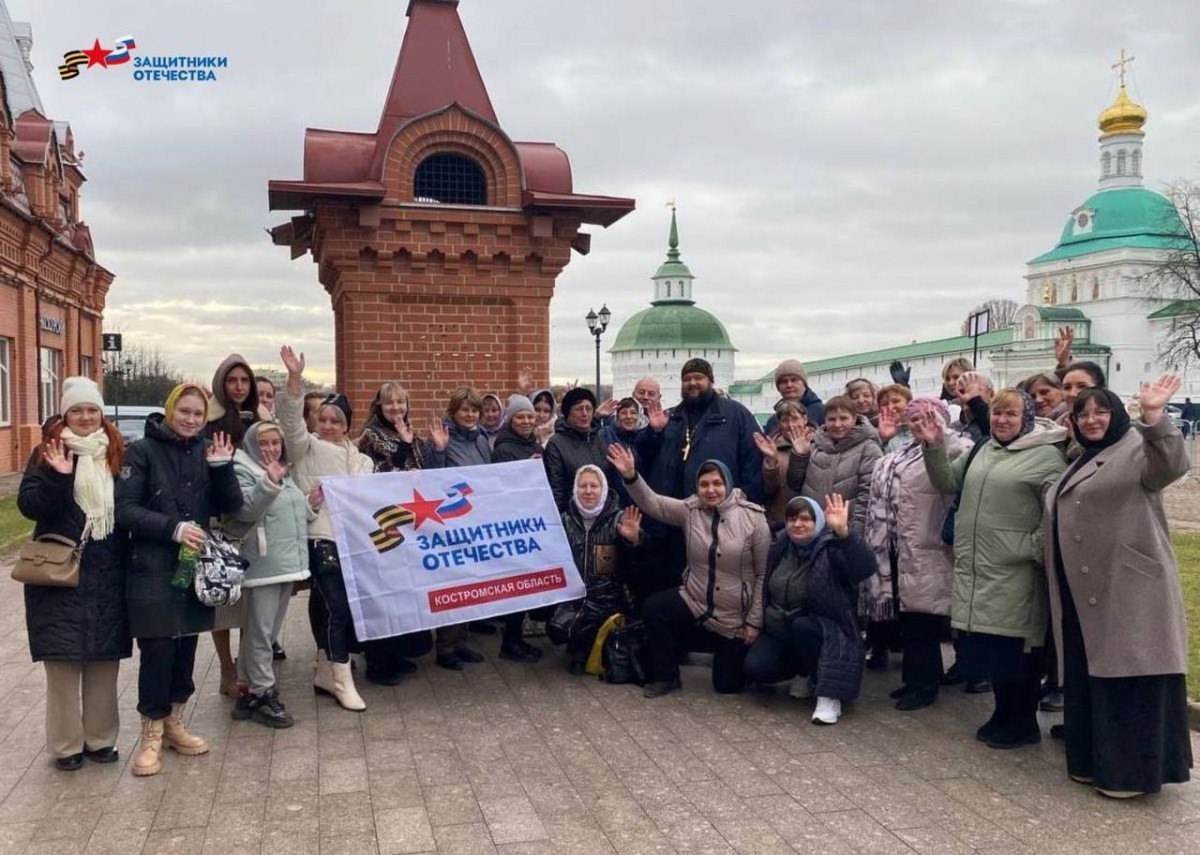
<point x="601" y="555"/>
<point x="165" y="481"/>
<point x="511" y="446"/>
<point x="569" y="450"/>
<point x="85" y="623"/>
<point x="832" y="573"/>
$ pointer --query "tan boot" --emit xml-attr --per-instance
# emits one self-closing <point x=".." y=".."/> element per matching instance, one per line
<point x="343" y="688"/>
<point x="148" y="760"/>
<point x="322" y="675"/>
<point x="175" y="734"/>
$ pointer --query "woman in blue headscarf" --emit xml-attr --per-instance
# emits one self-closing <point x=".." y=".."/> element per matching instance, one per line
<point x="718" y="608"/>
<point x="810" y="599"/>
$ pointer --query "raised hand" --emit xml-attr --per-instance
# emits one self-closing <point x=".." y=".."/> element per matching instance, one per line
<point x="545" y="431"/>
<point x="900" y="375"/>
<point x="403" y="430"/>
<point x="971" y="385"/>
<point x="658" y="418"/>
<point x="293" y="363"/>
<point x="1062" y="345"/>
<point x="1155" y="396"/>
<point x="630" y="525"/>
<point x="276" y="472"/>
<point x="800" y="438"/>
<point x="837" y="515"/>
<point x="221" y="448"/>
<point x="887" y="425"/>
<point x="59" y="458"/>
<point x="438" y="434"/>
<point x="766" y="446"/>
<point x="525" y="380"/>
<point x="927" y="429"/>
<point x="607" y="408"/>
<point x="622" y="460"/>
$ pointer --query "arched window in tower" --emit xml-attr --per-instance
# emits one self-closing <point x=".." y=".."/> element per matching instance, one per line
<point x="668" y="288"/>
<point x="1106" y="163"/>
<point x="1074" y="291"/>
<point x="1121" y="162"/>
<point x="1136" y="163"/>
<point x="450" y="179"/>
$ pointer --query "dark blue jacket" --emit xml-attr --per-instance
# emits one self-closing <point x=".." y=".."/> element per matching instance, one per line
<point x="812" y="404"/>
<point x="724" y="432"/>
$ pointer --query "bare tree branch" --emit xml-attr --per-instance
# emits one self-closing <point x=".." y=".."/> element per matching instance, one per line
<point x="1176" y="278"/>
<point x="1002" y="312"/>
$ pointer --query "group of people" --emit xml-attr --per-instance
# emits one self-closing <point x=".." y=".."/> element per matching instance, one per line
<point x="1027" y="527"/>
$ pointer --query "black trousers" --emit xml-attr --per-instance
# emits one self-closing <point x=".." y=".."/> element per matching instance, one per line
<point x="672" y="631"/>
<point x="921" y="641"/>
<point x="165" y="674"/>
<point x="657" y="565"/>
<point x="334" y="630"/>
<point x="773" y="658"/>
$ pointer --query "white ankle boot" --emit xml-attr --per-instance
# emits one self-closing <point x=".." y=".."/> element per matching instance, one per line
<point x="343" y="687"/>
<point x="828" y="711"/>
<point x="322" y="674"/>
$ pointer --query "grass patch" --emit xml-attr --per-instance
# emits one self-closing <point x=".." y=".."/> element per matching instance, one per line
<point x="1187" y="550"/>
<point x="13" y="527"/>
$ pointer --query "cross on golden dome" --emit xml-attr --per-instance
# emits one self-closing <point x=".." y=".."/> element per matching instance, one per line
<point x="1124" y="116"/>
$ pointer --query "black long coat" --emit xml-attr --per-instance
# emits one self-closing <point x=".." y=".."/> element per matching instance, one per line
<point x="165" y="481"/>
<point x="85" y="623"/>
<point x="601" y="555"/>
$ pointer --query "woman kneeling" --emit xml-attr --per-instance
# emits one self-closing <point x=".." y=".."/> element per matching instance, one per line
<point x="811" y="593"/>
<point x="718" y="608"/>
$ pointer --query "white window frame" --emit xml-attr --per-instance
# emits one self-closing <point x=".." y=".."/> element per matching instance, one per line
<point x="6" y="350"/>
<point x="49" y="382"/>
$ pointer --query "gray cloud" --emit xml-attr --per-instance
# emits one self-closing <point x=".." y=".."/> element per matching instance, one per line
<point x="849" y="176"/>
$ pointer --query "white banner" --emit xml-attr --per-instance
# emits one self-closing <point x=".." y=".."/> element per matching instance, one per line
<point x="444" y="546"/>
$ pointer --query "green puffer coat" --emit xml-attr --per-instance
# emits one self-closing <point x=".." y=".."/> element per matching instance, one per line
<point x="999" y="584"/>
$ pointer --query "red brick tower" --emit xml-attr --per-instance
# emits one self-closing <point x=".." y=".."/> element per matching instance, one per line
<point x="437" y="237"/>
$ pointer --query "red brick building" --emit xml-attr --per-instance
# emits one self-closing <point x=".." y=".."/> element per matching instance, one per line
<point x="52" y="291"/>
<point x="437" y="236"/>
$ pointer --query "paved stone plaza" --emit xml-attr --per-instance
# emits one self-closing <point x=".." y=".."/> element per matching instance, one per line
<point x="516" y="759"/>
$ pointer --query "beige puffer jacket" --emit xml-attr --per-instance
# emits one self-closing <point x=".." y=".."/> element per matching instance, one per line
<point x="725" y="583"/>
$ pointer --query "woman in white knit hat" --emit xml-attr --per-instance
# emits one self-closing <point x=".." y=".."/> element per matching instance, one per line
<point x="80" y="633"/>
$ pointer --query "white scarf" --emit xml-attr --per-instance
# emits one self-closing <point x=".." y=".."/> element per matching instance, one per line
<point x="93" y="481"/>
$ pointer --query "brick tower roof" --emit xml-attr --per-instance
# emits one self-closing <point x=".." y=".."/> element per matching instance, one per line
<point x="435" y="71"/>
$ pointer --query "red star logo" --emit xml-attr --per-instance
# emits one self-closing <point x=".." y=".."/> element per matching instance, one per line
<point x="96" y="55"/>
<point x="423" y="509"/>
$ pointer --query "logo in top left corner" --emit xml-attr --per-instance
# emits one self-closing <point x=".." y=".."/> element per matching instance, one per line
<point x="82" y="59"/>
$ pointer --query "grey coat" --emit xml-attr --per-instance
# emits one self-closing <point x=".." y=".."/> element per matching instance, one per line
<point x="1116" y="553"/>
<point x="842" y="467"/>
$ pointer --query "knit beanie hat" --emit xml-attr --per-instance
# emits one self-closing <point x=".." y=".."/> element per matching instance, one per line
<point x="341" y="402"/>
<point x="790" y="368"/>
<point x="574" y="396"/>
<point x="80" y="390"/>
<point x="696" y="365"/>
<point x="517" y="404"/>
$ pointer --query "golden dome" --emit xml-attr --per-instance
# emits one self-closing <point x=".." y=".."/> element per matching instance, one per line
<point x="1123" y="117"/>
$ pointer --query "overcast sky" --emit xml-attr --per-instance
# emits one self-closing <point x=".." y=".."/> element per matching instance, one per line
<point x="849" y="176"/>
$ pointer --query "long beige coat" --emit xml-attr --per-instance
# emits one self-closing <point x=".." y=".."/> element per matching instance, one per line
<point x="1116" y="552"/>
<point x="736" y="566"/>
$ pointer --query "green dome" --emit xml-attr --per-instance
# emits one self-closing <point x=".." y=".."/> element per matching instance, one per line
<point x="667" y="326"/>
<point x="1128" y="217"/>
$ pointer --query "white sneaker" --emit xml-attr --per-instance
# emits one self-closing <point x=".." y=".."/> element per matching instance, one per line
<point x="828" y="711"/>
<point x="802" y="688"/>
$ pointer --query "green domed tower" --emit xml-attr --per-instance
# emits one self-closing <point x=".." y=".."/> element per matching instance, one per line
<point x="657" y="341"/>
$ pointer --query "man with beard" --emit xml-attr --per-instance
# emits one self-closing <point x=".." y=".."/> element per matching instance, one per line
<point x="703" y="426"/>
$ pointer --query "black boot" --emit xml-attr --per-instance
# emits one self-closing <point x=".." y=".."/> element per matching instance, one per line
<point x="517" y="650"/>
<point x="918" y="698"/>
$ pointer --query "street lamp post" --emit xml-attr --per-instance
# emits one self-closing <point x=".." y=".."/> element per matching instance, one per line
<point x="598" y="323"/>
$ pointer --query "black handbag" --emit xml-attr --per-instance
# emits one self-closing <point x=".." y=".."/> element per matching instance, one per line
<point x="952" y="511"/>
<point x="558" y="628"/>
<point x="624" y="653"/>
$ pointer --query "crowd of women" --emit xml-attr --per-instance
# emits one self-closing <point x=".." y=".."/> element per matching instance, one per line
<point x="1026" y="526"/>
